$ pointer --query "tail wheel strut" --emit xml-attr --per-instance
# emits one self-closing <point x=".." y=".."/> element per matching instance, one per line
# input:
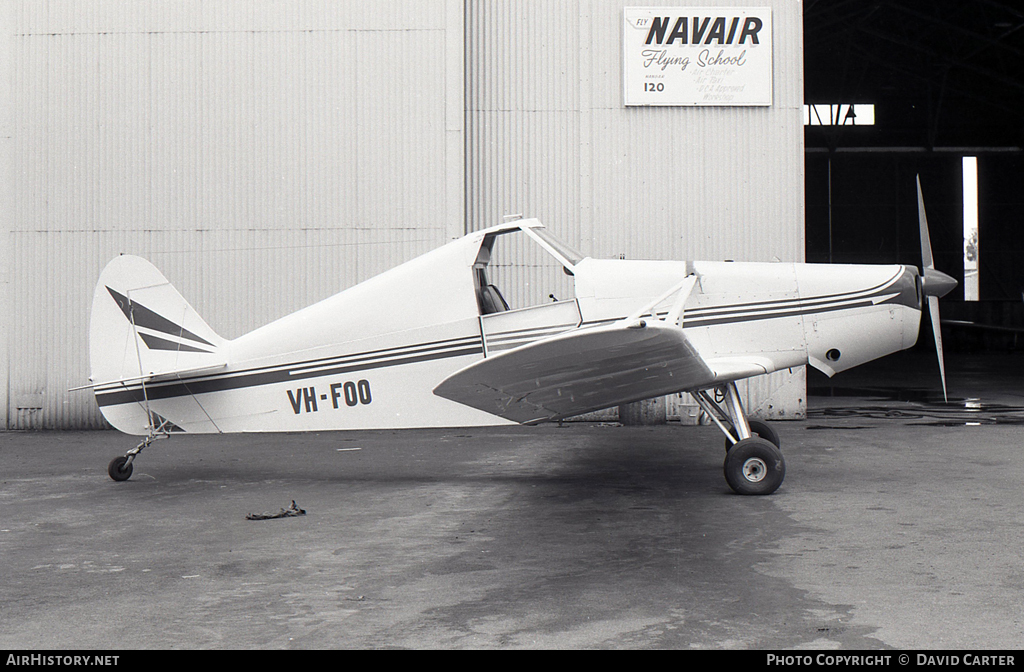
<point x="120" y="468"/>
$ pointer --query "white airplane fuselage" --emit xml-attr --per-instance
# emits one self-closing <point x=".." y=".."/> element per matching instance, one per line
<point x="371" y="355"/>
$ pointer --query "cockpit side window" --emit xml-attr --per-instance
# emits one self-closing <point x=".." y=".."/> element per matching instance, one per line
<point x="527" y="272"/>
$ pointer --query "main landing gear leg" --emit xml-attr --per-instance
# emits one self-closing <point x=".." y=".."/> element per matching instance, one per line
<point x="753" y="462"/>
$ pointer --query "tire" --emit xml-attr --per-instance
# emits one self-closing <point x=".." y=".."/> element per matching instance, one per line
<point x="119" y="470"/>
<point x="761" y="430"/>
<point x="754" y="466"/>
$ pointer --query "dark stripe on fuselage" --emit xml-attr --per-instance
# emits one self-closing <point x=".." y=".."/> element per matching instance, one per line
<point x="309" y="366"/>
<point x="902" y="282"/>
<point x="900" y="289"/>
<point x="795" y="311"/>
<point x="290" y="372"/>
<point x="506" y="340"/>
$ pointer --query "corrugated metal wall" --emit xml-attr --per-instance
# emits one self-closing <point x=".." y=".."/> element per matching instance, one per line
<point x="548" y="136"/>
<point x="263" y="155"/>
<point x="266" y="155"/>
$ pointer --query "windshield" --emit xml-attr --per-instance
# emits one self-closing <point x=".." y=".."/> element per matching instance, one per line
<point x="570" y="254"/>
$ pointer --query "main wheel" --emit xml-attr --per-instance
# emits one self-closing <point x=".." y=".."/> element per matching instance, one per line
<point x="754" y="466"/>
<point x="120" y="469"/>
<point x="762" y="430"/>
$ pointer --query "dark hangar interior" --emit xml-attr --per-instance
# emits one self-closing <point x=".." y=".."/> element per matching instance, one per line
<point x="946" y="80"/>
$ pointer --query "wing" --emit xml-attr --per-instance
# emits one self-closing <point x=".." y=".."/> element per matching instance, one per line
<point x="580" y="371"/>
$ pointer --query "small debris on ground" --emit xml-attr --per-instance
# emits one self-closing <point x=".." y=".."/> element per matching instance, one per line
<point x="293" y="510"/>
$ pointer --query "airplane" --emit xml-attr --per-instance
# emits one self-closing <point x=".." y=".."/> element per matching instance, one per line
<point x="433" y="343"/>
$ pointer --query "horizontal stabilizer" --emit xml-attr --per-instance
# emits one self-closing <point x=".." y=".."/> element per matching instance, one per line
<point x="580" y="371"/>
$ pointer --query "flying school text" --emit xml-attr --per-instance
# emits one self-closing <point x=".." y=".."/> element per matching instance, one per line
<point x="344" y="394"/>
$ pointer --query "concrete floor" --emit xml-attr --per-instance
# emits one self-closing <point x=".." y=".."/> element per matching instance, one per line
<point x="899" y="525"/>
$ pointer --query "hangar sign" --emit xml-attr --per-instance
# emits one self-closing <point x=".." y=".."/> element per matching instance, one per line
<point x="697" y="56"/>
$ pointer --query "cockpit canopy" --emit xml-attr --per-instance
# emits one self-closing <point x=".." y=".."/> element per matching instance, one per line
<point x="525" y="260"/>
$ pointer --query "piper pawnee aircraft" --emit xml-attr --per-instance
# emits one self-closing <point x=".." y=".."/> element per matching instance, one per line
<point x="432" y="343"/>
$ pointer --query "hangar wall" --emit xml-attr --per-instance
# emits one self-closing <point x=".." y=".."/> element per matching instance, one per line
<point x="262" y="155"/>
<point x="267" y="155"/>
<point x="549" y="136"/>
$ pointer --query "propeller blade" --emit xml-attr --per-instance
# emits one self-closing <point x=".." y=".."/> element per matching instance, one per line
<point x="933" y="312"/>
<point x="922" y="220"/>
<point x="933" y="284"/>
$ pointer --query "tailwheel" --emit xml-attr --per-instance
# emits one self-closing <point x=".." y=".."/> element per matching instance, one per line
<point x="754" y="466"/>
<point x="120" y="468"/>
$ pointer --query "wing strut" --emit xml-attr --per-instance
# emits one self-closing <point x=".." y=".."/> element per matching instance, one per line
<point x="674" y="316"/>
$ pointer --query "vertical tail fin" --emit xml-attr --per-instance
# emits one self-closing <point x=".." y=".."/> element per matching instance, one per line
<point x="141" y="328"/>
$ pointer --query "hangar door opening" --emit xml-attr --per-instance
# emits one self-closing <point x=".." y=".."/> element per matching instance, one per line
<point x="862" y="208"/>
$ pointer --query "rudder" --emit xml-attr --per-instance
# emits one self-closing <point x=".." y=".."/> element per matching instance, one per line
<point x="141" y="329"/>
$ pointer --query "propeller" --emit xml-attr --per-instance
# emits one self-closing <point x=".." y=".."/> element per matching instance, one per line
<point x="934" y="284"/>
